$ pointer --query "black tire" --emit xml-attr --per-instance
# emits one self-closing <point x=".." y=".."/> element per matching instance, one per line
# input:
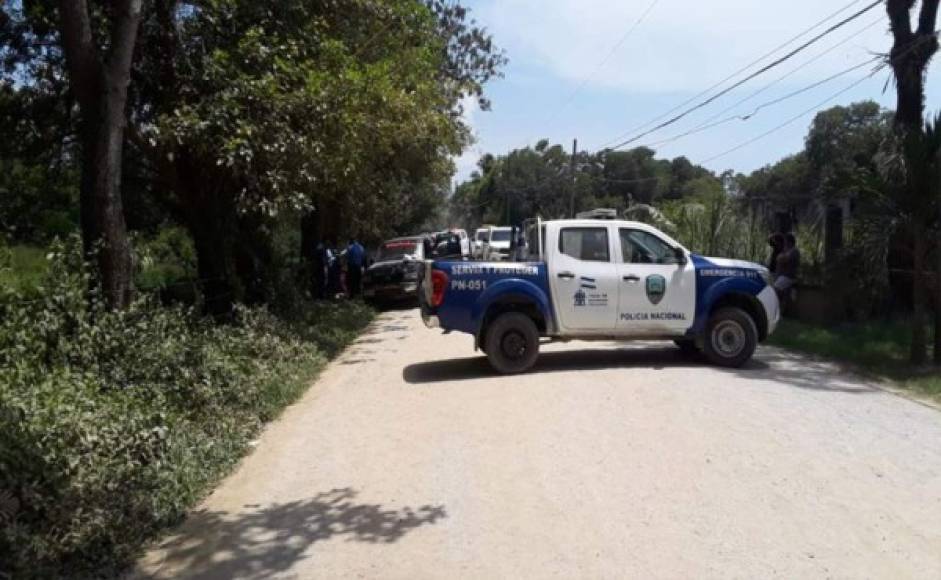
<point x="731" y="338"/>
<point x="687" y="346"/>
<point x="512" y="343"/>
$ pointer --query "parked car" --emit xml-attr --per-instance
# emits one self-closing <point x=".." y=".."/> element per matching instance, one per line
<point x="481" y="237"/>
<point x="601" y="279"/>
<point x="462" y="238"/>
<point x="394" y="273"/>
<point x="498" y="244"/>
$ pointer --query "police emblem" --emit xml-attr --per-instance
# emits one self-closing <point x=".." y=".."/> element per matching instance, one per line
<point x="580" y="298"/>
<point x="656" y="288"/>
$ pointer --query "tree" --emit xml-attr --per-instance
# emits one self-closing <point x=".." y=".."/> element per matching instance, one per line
<point x="345" y="112"/>
<point x="912" y="50"/>
<point x="99" y="77"/>
<point x="536" y="181"/>
<point x="842" y="146"/>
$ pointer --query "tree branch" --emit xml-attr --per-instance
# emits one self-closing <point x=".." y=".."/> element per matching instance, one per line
<point x="928" y="17"/>
<point x="127" y="16"/>
<point x="900" y="20"/>
<point x="81" y="55"/>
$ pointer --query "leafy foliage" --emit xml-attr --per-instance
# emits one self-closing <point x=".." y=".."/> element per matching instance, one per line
<point x="112" y="424"/>
<point x="540" y="181"/>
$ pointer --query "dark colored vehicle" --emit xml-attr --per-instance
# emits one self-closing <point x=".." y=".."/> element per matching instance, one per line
<point x="394" y="274"/>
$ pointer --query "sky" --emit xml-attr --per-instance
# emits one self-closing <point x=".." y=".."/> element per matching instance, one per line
<point x="581" y="69"/>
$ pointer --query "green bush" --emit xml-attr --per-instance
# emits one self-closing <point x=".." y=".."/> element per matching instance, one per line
<point x="113" y="424"/>
<point x="166" y="263"/>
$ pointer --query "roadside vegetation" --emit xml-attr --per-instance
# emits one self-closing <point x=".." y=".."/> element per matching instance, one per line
<point x="167" y="170"/>
<point x="879" y="348"/>
<point x="114" y="423"/>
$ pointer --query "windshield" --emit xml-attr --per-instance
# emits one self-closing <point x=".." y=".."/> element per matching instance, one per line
<point x="532" y="244"/>
<point x="397" y="249"/>
<point x="483" y="235"/>
<point x="500" y="236"/>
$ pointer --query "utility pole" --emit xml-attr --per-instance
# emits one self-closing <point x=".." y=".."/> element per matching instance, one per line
<point x="572" y="193"/>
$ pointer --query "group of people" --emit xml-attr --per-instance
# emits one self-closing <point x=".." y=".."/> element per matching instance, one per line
<point x="329" y="261"/>
<point x="784" y="263"/>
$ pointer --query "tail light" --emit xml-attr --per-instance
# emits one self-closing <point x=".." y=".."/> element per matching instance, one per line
<point x="439" y="284"/>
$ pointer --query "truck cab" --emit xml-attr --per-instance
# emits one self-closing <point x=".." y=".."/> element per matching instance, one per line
<point x="602" y="279"/>
<point x="498" y="244"/>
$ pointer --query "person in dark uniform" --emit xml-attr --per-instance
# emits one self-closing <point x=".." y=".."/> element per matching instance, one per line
<point x="786" y="271"/>
<point x="334" y="271"/>
<point x="355" y="261"/>
<point x="776" y="241"/>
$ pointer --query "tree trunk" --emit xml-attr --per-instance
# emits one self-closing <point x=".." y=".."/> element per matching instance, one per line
<point x="255" y="259"/>
<point x="912" y="50"/>
<point x="211" y="226"/>
<point x="99" y="83"/>
<point x="114" y="251"/>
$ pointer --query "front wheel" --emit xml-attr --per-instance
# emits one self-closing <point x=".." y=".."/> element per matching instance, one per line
<point x="512" y="343"/>
<point x="731" y="338"/>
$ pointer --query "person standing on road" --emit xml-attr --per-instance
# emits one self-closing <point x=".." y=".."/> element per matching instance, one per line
<point x="355" y="261"/>
<point x="786" y="270"/>
<point x="776" y="241"/>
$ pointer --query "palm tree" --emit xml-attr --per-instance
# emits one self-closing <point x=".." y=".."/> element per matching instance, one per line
<point x="911" y="185"/>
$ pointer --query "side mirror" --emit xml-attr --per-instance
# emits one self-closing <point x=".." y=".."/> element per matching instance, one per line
<point x="680" y="256"/>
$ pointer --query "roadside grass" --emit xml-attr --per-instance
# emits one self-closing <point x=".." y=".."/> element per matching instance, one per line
<point x="114" y="424"/>
<point x="877" y="348"/>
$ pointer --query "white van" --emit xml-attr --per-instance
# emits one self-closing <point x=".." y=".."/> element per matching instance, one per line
<point x="481" y="237"/>
<point x="498" y="244"/>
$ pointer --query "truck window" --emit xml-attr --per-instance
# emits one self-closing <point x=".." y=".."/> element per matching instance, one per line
<point x="639" y="247"/>
<point x="585" y="244"/>
<point x="532" y="244"/>
<point x="501" y="235"/>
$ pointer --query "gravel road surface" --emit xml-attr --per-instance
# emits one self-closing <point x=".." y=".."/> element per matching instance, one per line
<point x="410" y="459"/>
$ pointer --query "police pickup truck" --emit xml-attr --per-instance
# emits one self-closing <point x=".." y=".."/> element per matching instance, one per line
<point x="601" y="279"/>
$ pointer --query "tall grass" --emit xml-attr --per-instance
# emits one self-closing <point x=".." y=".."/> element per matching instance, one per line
<point x="878" y="347"/>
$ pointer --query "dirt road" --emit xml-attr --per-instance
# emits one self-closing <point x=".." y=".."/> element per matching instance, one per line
<point x="411" y="459"/>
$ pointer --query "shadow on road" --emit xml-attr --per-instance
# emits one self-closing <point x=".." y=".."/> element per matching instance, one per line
<point x="265" y="541"/>
<point x="770" y="364"/>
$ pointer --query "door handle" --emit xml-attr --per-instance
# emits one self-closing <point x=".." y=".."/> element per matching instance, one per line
<point x="631" y="278"/>
<point x="566" y="275"/>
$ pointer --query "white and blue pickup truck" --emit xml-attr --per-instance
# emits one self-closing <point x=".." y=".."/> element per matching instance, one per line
<point x="592" y="279"/>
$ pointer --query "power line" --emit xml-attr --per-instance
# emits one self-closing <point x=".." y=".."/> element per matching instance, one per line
<point x="753" y="75"/>
<point x="736" y="73"/>
<point x="611" y="53"/>
<point x="581" y="85"/>
<point x="709" y="123"/>
<point x="796" y="117"/>
<point x="875" y="71"/>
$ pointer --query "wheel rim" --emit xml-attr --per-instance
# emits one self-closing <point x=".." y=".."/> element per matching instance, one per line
<point x="513" y="345"/>
<point x="729" y="338"/>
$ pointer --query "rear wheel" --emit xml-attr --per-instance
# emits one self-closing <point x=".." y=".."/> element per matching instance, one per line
<point x="731" y="337"/>
<point x="512" y="343"/>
